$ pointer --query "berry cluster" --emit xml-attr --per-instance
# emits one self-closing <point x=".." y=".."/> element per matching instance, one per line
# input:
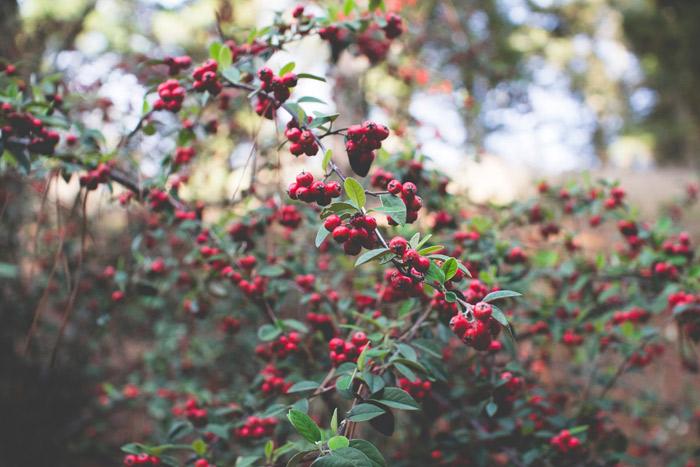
<point x="184" y="155"/>
<point x="681" y="247"/>
<point x="205" y="78"/>
<point x="158" y="199"/>
<point x="400" y="286"/>
<point x="360" y="143"/>
<point x="25" y="125"/>
<point x="320" y="321"/>
<point x="408" y="193"/>
<point x="195" y="414"/>
<point x="230" y="325"/>
<point x="277" y="86"/>
<point x="177" y="64"/>
<point x="507" y="391"/>
<point x="273" y="382"/>
<point x="635" y="315"/>
<point x="419" y="389"/>
<point x="616" y="198"/>
<point x="444" y="220"/>
<point x="393" y="27"/>
<point x="170" y="96"/>
<point x="564" y="442"/>
<point x="96" y="176"/>
<point x="359" y="232"/>
<point x="571" y="339"/>
<point x="306" y="189"/>
<point x="289" y="216"/>
<point x="281" y="348"/>
<point x="302" y="141"/>
<point x="342" y="351"/>
<point x="480" y="332"/>
<point x="418" y="264"/>
<point x="141" y="459"/>
<point x="257" y="427"/>
<point x="516" y="255"/>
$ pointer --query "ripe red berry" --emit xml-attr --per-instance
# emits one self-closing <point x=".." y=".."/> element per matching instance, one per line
<point x="398" y="245"/>
<point x="341" y="234"/>
<point x="482" y="311"/>
<point x="394" y="187"/>
<point x="332" y="222"/>
<point x="305" y="179"/>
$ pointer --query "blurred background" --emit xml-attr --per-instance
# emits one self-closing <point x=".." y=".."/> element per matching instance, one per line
<point x="500" y="93"/>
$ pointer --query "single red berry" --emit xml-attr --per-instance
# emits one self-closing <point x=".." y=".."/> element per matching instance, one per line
<point x="482" y="311"/>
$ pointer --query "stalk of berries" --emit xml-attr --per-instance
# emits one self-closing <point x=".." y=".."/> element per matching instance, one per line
<point x="360" y="143"/>
<point x="195" y="414"/>
<point x="96" y="176"/>
<point x="170" y="96"/>
<point x="359" y="232"/>
<point x="279" y="86"/>
<point x="302" y="141"/>
<point x="205" y="78"/>
<point x="256" y="427"/>
<point x="564" y="443"/>
<point x="419" y="389"/>
<point x="480" y="332"/>
<point x="306" y="189"/>
<point x="177" y="64"/>
<point x="141" y="459"/>
<point x="408" y="193"/>
<point x="341" y="351"/>
<point x="183" y="155"/>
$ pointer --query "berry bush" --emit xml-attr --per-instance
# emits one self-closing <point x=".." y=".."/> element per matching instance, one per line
<point x="357" y="312"/>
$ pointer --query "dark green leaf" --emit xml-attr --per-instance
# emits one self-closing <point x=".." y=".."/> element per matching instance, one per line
<point x="304" y="425"/>
<point x="364" y="412"/>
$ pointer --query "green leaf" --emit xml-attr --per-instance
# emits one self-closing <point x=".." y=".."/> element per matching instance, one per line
<point x="499" y="316"/>
<point x="334" y="421"/>
<point x="348" y="6"/>
<point x="355" y="192"/>
<point x="269" y="447"/>
<point x="311" y="99"/>
<point x="214" y="50"/>
<point x="362" y="358"/>
<point x="394" y="207"/>
<point x="287" y="68"/>
<point x="225" y="57"/>
<point x="397" y="398"/>
<point x="321" y="235"/>
<point x="370" y="451"/>
<point x="450" y="297"/>
<point x="491" y="408"/>
<point x="356" y="457"/>
<point x="326" y="159"/>
<point x="338" y="442"/>
<point x="368" y="256"/>
<point x="500" y="294"/>
<point x="302" y="386"/>
<point x="430" y="249"/>
<point x="407" y="351"/>
<point x="449" y="267"/>
<point x="199" y="446"/>
<point x="268" y="332"/>
<point x="246" y="461"/>
<point x="310" y="76"/>
<point x="364" y="412"/>
<point x="306" y="427"/>
<point x="435" y="273"/>
<point x="271" y="270"/>
<point x="297" y="458"/>
<point x="232" y="74"/>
